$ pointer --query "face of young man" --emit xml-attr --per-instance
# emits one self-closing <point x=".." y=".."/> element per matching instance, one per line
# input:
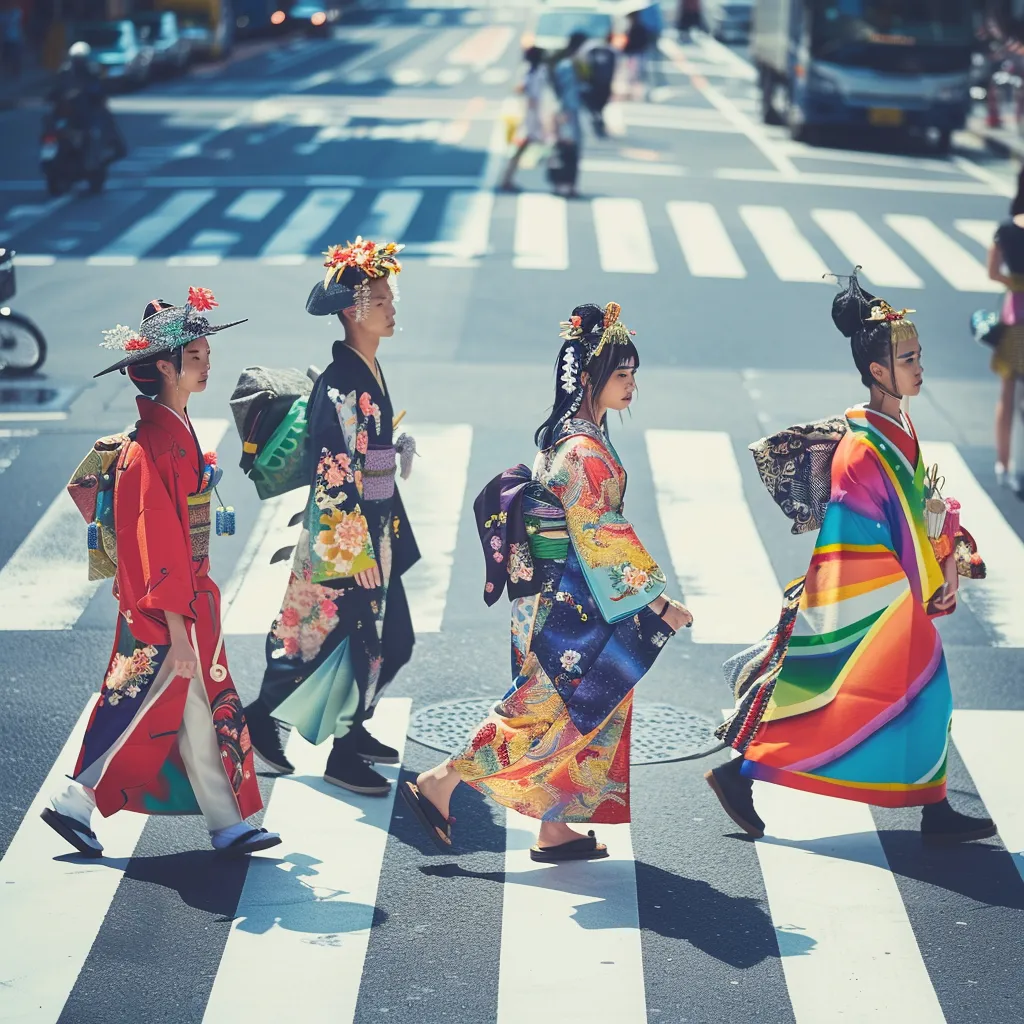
<point x="909" y="369"/>
<point x="379" y="319"/>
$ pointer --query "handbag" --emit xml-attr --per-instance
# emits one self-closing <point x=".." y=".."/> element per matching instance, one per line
<point x="987" y="327"/>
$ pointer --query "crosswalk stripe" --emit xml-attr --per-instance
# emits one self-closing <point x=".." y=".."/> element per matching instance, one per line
<point x="434" y="497"/>
<point x="465" y="229"/>
<point x="44" y="584"/>
<point x="306" y="911"/>
<point x="56" y="906"/>
<point x="980" y="231"/>
<point x="841" y="925"/>
<point x="391" y="213"/>
<point x="952" y="261"/>
<point x="788" y="253"/>
<point x="989" y="743"/>
<point x="584" y="918"/>
<point x="152" y="229"/>
<point x="253" y="595"/>
<point x="724" y="572"/>
<point x="623" y="239"/>
<point x="310" y="221"/>
<point x="997" y="599"/>
<point x="702" y="237"/>
<point x="542" y="232"/>
<point x="254" y="204"/>
<point x="483" y="48"/>
<point x="862" y="245"/>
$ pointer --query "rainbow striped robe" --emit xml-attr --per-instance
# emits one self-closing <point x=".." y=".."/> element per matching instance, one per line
<point x="862" y="704"/>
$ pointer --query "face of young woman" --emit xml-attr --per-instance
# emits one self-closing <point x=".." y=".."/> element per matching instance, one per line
<point x="909" y="369"/>
<point x="379" y="321"/>
<point x="195" y="367"/>
<point x="618" y="393"/>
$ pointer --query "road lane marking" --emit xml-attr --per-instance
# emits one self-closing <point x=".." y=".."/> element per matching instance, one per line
<point x="391" y="213"/>
<point x="727" y="580"/>
<point x="980" y="231"/>
<point x="706" y="246"/>
<point x="997" y="599"/>
<point x="788" y="253"/>
<point x="989" y="743"/>
<point x="312" y="220"/>
<point x="582" y="916"/>
<point x="863" y="246"/>
<point x="307" y="909"/>
<point x="623" y="239"/>
<point x="464" y="234"/>
<point x="950" y="259"/>
<point x="542" y="232"/>
<point x="148" y="232"/>
<point x="483" y="48"/>
<point x="254" y="204"/>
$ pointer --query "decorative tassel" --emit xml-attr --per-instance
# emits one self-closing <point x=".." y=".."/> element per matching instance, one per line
<point x="93" y="536"/>
<point x="225" y="521"/>
<point x="406" y="448"/>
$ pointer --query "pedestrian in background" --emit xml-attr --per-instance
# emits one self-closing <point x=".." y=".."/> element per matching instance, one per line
<point x="532" y="129"/>
<point x="564" y="164"/>
<point x="1006" y="265"/>
<point x="637" y="43"/>
<point x="12" y="40"/>
<point x="654" y="22"/>
<point x="599" y="63"/>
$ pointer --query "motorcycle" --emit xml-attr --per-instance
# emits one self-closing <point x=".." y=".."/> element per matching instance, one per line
<point x="69" y="154"/>
<point x="22" y="345"/>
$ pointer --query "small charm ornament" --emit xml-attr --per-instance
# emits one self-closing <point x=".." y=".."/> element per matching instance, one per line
<point x="225" y="521"/>
<point x="93" y="536"/>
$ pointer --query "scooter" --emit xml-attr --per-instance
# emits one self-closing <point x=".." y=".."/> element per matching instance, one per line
<point x="68" y="154"/>
<point x="22" y="345"/>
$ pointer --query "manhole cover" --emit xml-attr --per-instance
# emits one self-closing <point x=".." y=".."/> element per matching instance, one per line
<point x="661" y="732"/>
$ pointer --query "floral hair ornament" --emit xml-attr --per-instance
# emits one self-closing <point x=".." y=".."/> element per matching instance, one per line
<point x="373" y="259"/>
<point x="572" y="329"/>
<point x="615" y="331"/>
<point x="900" y="327"/>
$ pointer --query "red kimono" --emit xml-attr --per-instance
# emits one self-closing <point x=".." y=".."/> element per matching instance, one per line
<point x="129" y="756"/>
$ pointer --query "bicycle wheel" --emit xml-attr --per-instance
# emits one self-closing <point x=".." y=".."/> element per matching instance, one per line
<point x="22" y="345"/>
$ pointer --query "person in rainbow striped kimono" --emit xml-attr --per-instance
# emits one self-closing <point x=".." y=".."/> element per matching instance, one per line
<point x="849" y="696"/>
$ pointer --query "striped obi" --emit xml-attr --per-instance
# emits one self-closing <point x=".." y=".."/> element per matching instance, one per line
<point x="199" y="525"/>
<point x="379" y="473"/>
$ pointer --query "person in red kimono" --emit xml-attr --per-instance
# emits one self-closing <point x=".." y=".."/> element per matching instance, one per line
<point x="167" y="734"/>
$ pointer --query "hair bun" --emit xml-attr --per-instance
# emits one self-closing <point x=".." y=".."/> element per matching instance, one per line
<point x="851" y="307"/>
<point x="591" y="317"/>
<point x="154" y="306"/>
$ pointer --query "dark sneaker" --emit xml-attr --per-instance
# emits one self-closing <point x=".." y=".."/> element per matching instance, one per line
<point x="370" y="749"/>
<point x="265" y="737"/>
<point x="942" y="826"/>
<point x="347" y="769"/>
<point x="736" y="795"/>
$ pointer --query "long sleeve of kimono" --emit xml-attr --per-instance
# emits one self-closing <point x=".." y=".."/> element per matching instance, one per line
<point x="152" y="539"/>
<point x="339" y="536"/>
<point x="621" y="575"/>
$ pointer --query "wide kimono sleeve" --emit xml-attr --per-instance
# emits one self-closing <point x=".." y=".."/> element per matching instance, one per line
<point x="622" y="577"/>
<point x="340" y="545"/>
<point x="154" y="555"/>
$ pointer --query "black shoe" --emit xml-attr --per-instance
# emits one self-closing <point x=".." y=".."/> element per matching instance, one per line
<point x="347" y="769"/>
<point x="265" y="737"/>
<point x="736" y="795"/>
<point x="370" y="749"/>
<point x="942" y="826"/>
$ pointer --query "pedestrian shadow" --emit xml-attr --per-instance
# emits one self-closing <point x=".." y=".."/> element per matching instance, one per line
<point x="981" y="872"/>
<point x="732" y="929"/>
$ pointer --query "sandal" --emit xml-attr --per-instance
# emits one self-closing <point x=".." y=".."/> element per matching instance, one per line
<point x="437" y="826"/>
<point x="253" y="841"/>
<point x="585" y="848"/>
<point x="76" y="833"/>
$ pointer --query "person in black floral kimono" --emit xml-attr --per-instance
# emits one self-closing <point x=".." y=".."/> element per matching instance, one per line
<point x="344" y="629"/>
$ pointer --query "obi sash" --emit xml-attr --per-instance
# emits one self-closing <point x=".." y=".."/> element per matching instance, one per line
<point x="199" y="525"/>
<point x="379" y="473"/>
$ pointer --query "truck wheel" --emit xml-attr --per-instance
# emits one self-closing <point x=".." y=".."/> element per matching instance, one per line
<point x="944" y="143"/>
<point x="768" y="112"/>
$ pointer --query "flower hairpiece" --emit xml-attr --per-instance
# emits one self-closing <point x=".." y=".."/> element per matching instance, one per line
<point x="372" y="259"/>
<point x="572" y="329"/>
<point x="883" y="311"/>
<point x="615" y="331"/>
<point x="124" y="339"/>
<point x="201" y="299"/>
<point x="568" y="377"/>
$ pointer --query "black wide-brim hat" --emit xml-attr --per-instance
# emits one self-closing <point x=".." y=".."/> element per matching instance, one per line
<point x="164" y="331"/>
<point x="330" y="298"/>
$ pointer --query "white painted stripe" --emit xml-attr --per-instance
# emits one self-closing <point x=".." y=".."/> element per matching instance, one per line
<point x="450" y="76"/>
<point x="848" y="949"/>
<point x="311" y="221"/>
<point x="704" y="241"/>
<point x="54" y="906"/>
<point x="433" y="497"/>
<point x="952" y="261"/>
<point x="726" y="578"/>
<point x="623" y="239"/>
<point x="542" y="232"/>
<point x="254" y="204"/>
<point x="45" y="583"/>
<point x="996" y="600"/>
<point x="465" y="230"/>
<point x="989" y="743"/>
<point x="253" y="595"/>
<point x="788" y="253"/>
<point x="981" y="231"/>
<point x="391" y="213"/>
<point x="483" y="48"/>
<point x="35" y="260"/>
<point x="307" y="909"/>
<point x="863" y="246"/>
<point x="582" y="916"/>
<point x="152" y="229"/>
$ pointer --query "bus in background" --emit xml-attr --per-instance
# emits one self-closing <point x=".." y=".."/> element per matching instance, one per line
<point x="213" y="26"/>
<point x="859" y="64"/>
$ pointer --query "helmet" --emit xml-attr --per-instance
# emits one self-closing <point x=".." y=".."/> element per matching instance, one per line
<point x="80" y="51"/>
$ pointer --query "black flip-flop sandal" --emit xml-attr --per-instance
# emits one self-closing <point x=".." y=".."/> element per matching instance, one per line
<point x="434" y="823"/>
<point x="73" y="831"/>
<point x="250" y="842"/>
<point x="585" y="848"/>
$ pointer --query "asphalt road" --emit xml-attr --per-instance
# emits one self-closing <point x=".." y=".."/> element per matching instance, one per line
<point x="712" y="231"/>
